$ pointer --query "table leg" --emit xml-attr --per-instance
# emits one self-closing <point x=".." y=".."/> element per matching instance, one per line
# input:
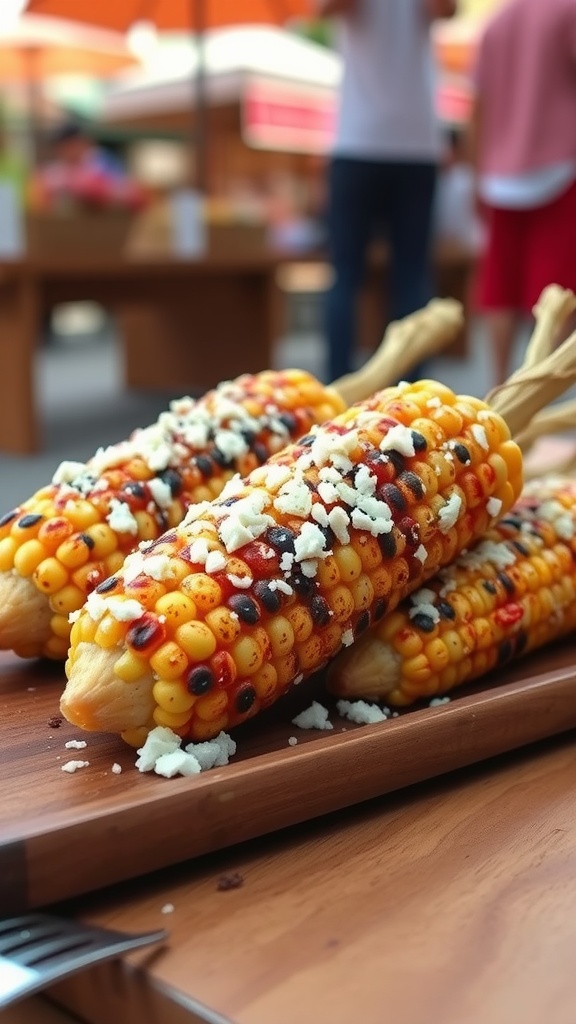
<point x="19" y="326"/>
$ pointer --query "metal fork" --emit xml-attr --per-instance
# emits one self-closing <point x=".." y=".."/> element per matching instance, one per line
<point x="38" y="949"/>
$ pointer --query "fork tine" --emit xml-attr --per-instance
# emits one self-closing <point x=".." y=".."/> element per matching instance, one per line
<point x="40" y="949"/>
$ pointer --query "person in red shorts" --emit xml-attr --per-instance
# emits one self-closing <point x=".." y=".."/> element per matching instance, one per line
<point x="524" y="151"/>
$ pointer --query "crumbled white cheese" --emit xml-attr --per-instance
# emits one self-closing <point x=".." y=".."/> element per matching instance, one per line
<point x="348" y="637"/>
<point x="287" y="561"/>
<point x="398" y="439"/>
<point x="281" y="586"/>
<point x="310" y="543"/>
<point x="292" y="741"/>
<point x="163" y="754"/>
<point x="168" y="908"/>
<point x="433" y="403"/>
<point x="421" y="553"/>
<point x="493" y="506"/>
<point x="67" y="472"/>
<point x="496" y="553"/>
<point x="479" y="434"/>
<point x="240" y="582"/>
<point x="437" y="701"/>
<point x="294" y="498"/>
<point x="361" y="712"/>
<point x="214" y="753"/>
<point x="73" y="766"/>
<point x="116" y="768"/>
<point x="423" y="596"/>
<point x="75" y="744"/>
<point x="448" y="514"/>
<point x="215" y="561"/>
<point x="120" y="518"/>
<point x="120" y="608"/>
<point x="176" y="762"/>
<point x="160" y="492"/>
<point x="314" y="717"/>
<point x="429" y="610"/>
<point x="338" y="521"/>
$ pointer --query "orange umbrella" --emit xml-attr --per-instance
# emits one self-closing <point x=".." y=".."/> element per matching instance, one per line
<point x="192" y="15"/>
<point x="195" y="15"/>
<point x="36" y="47"/>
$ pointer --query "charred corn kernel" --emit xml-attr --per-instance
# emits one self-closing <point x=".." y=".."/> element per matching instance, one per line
<point x="27" y="558"/>
<point x="295" y="561"/>
<point x="172" y="697"/>
<point x="512" y="593"/>
<point x="100" y="512"/>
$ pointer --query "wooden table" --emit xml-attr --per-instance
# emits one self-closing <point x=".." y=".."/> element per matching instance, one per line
<point x="184" y="325"/>
<point x="451" y="901"/>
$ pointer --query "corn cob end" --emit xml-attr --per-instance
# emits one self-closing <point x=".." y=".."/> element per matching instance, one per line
<point x="89" y="707"/>
<point x="20" y="601"/>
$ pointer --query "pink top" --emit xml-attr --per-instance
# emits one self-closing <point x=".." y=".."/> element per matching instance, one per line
<point x="526" y="80"/>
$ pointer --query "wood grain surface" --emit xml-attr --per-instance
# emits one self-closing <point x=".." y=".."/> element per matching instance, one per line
<point x="62" y="835"/>
<point x="452" y="901"/>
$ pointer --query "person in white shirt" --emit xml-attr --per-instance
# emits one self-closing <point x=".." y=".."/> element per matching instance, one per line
<point x="382" y="170"/>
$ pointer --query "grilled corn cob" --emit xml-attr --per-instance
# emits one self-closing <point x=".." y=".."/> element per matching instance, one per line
<point x="513" y="592"/>
<point x="61" y="543"/>
<point x="261" y="587"/>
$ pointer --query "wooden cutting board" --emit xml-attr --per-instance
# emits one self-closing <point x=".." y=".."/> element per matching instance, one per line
<point x="62" y="835"/>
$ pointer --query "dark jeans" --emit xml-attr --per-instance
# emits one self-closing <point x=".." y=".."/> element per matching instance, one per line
<point x="367" y="198"/>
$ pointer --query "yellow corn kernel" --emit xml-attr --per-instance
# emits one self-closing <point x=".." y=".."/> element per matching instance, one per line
<point x="224" y="624"/>
<point x="265" y="681"/>
<point x="211" y="706"/>
<point x="328" y="573"/>
<point x="129" y="667"/>
<point x="176" y="608"/>
<point x="73" y="552"/>
<point x="368" y="550"/>
<point x="169" y="661"/>
<point x="349" y="563"/>
<point x="381" y="581"/>
<point x="310" y="652"/>
<point x="286" y="668"/>
<point x="175" y="513"/>
<point x="172" y="697"/>
<point x="301" y="621"/>
<point x="437" y="654"/>
<point x="109" y="632"/>
<point x="196" y="639"/>
<point x="136" y="737"/>
<point x="49" y="576"/>
<point x="448" y="418"/>
<point x="28" y="556"/>
<point x="207" y="730"/>
<point x="247" y="655"/>
<point x="362" y="592"/>
<point x="281" y="635"/>
<point x="148" y="528"/>
<point x="68" y="599"/>
<point x="84" y="577"/>
<point x="203" y="590"/>
<point x="104" y="539"/>
<point x="170" y="719"/>
<point x="8" y="548"/>
<point x="56" y="647"/>
<point x="82" y="514"/>
<point x="113" y="563"/>
<point x="60" y="627"/>
<point x="407" y="641"/>
<point x="341" y="603"/>
<point x="417" y="670"/>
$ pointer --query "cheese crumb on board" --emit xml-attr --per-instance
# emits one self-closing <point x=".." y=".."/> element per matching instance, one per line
<point x="314" y="717"/>
<point x="292" y="741"/>
<point x="73" y="766"/>
<point x="162" y="753"/>
<point x="75" y="744"/>
<point x="168" y="908"/>
<point x="116" y="768"/>
<point x="437" y="701"/>
<point x="361" y="712"/>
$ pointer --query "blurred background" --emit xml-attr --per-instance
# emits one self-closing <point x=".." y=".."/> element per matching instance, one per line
<point x="194" y="247"/>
